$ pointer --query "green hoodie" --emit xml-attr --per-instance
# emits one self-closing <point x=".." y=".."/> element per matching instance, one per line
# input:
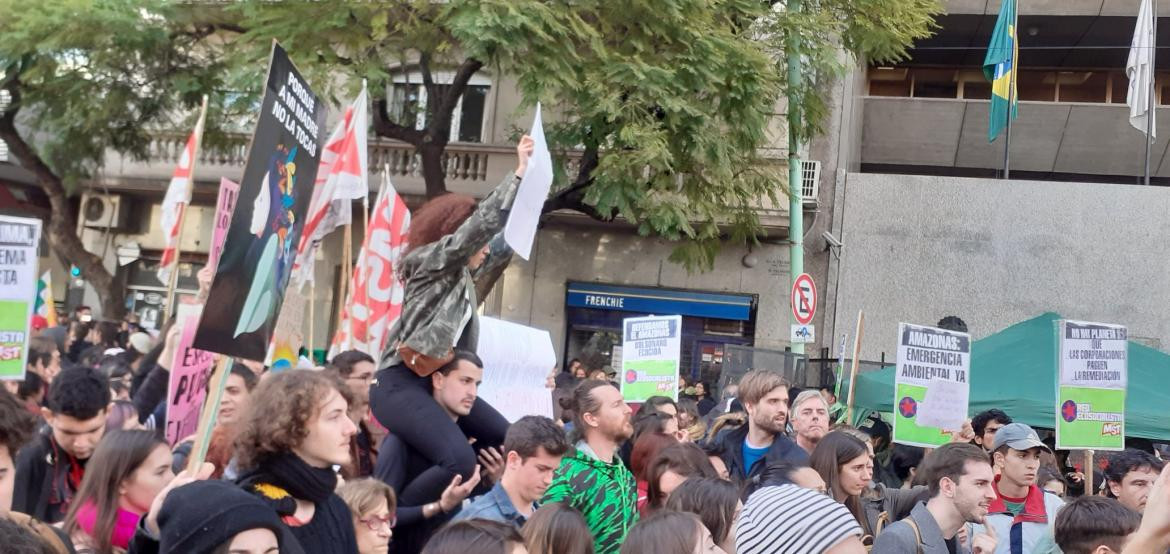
<point x="606" y="494"/>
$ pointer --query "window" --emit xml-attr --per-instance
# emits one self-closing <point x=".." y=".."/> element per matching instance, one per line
<point x="408" y="102"/>
<point x="5" y="99"/>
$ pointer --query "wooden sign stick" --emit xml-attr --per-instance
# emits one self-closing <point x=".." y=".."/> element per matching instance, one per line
<point x="210" y="410"/>
<point x="853" y="370"/>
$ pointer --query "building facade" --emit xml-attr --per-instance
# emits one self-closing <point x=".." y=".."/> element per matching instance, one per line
<point x="583" y="277"/>
<point x="930" y="229"/>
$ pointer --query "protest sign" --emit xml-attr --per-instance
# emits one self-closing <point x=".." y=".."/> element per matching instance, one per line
<point x="257" y="258"/>
<point x="520" y="231"/>
<point x="516" y="363"/>
<point x="187" y="388"/>
<point x="19" y="237"/>
<point x="651" y="348"/>
<point x="1090" y="398"/>
<point x="229" y="192"/>
<point x="932" y="384"/>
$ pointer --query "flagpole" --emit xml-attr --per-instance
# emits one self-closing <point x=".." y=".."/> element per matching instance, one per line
<point x="1007" y="143"/>
<point x="172" y="283"/>
<point x="1150" y="108"/>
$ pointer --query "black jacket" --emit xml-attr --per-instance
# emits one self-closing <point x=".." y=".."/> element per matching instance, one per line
<point x="43" y="488"/>
<point x="398" y="465"/>
<point x="783" y="449"/>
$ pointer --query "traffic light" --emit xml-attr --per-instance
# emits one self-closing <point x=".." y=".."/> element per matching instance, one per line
<point x="74" y="271"/>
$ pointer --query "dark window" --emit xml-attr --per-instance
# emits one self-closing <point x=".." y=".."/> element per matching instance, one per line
<point x="471" y="118"/>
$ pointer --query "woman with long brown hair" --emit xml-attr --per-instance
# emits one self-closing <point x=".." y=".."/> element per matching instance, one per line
<point x="556" y="528"/>
<point x="448" y="246"/>
<point x="126" y="472"/>
<point x="845" y="462"/>
<point x="670" y="532"/>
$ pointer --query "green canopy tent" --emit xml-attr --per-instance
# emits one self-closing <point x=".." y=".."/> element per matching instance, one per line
<point x="1015" y="370"/>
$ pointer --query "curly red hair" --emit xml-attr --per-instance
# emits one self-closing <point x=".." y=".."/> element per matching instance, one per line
<point x="439" y="217"/>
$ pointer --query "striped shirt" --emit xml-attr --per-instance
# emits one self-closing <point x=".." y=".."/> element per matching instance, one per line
<point x="788" y="518"/>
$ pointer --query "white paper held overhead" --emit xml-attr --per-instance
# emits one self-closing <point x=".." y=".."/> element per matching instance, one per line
<point x="520" y="230"/>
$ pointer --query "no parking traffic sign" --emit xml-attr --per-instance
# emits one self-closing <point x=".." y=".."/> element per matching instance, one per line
<point x="804" y="299"/>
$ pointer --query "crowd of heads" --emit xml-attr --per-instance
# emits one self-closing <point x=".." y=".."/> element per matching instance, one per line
<point x="700" y="487"/>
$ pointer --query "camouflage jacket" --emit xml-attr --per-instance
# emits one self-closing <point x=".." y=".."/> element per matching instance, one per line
<point x="440" y="288"/>
<point x="605" y="494"/>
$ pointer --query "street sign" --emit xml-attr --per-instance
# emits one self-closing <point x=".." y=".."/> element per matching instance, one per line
<point x="804" y="299"/>
<point x="803" y="333"/>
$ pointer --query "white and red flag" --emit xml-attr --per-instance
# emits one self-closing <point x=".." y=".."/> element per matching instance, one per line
<point x="341" y="179"/>
<point x="374" y="301"/>
<point x="178" y="197"/>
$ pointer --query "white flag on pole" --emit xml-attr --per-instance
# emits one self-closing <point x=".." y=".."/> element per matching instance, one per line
<point x="1140" y="70"/>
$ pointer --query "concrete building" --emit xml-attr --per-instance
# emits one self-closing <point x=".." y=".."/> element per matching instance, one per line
<point x="928" y="227"/>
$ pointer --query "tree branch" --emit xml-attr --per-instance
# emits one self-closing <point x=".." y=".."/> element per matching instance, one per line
<point x="446" y="108"/>
<point x="385" y="127"/>
<point x="424" y="67"/>
<point x="61" y="229"/>
<point x="573" y="197"/>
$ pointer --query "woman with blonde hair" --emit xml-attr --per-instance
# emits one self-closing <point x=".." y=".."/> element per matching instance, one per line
<point x="373" y="505"/>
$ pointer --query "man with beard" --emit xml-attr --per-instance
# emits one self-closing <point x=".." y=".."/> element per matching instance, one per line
<point x="960" y="478"/>
<point x="750" y="448"/>
<point x="592" y="478"/>
<point x="810" y="419"/>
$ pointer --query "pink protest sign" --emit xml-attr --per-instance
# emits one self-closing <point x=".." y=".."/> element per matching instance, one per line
<point x="228" y="193"/>
<point x="187" y="389"/>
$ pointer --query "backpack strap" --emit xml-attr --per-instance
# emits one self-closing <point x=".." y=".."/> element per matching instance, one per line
<point x="917" y="535"/>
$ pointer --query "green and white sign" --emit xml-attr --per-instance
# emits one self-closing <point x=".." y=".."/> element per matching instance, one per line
<point x="19" y="237"/>
<point x="651" y="349"/>
<point x="932" y="384"/>
<point x="1090" y="389"/>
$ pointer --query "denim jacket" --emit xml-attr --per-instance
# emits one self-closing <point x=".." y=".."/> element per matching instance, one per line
<point x="440" y="289"/>
<point x="495" y="506"/>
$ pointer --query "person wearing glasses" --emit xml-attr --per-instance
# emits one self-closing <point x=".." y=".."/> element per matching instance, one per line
<point x="373" y="504"/>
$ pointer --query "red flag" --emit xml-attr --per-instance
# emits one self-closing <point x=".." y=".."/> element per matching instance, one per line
<point x="340" y="180"/>
<point x="374" y="302"/>
<point x="178" y="196"/>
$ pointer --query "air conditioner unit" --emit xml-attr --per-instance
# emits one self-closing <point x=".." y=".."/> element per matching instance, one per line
<point x="810" y="178"/>
<point x="100" y="211"/>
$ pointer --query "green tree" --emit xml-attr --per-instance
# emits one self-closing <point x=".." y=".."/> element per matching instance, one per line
<point x="85" y="78"/>
<point x="667" y="102"/>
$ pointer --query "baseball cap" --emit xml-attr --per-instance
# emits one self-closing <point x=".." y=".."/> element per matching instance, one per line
<point x="1017" y="436"/>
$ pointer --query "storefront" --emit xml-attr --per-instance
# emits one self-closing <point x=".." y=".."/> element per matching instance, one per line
<point x="146" y="295"/>
<point x="594" y="313"/>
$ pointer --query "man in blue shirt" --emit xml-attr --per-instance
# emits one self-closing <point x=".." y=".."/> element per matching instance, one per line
<point x="748" y="449"/>
<point x="534" y="447"/>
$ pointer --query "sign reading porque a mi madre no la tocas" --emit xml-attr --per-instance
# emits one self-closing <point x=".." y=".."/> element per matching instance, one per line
<point x="650" y="357"/>
<point x="240" y="314"/>
<point x="1090" y="388"/>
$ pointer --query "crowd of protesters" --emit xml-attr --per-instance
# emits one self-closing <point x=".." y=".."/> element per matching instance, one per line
<point x="396" y="451"/>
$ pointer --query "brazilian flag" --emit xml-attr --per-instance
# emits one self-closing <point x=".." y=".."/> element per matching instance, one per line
<point x="998" y="66"/>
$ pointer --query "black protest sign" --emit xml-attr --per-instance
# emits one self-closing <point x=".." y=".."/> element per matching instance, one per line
<point x="248" y="290"/>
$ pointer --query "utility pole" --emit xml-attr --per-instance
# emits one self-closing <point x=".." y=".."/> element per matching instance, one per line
<point x="795" y="187"/>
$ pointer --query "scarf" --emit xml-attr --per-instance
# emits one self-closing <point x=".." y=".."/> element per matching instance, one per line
<point x="124" y="525"/>
<point x="289" y="474"/>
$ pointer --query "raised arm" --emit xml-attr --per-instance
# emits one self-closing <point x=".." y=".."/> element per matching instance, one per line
<point x="485" y="222"/>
